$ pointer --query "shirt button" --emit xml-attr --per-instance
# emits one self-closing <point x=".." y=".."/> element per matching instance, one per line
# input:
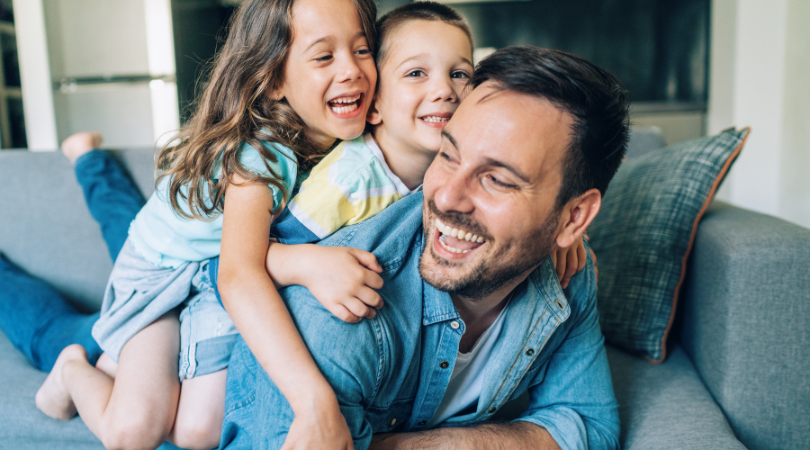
<point x="530" y="352"/>
<point x="422" y="423"/>
<point x="444" y="364"/>
<point x="393" y="421"/>
<point x="454" y="325"/>
<point x="492" y="410"/>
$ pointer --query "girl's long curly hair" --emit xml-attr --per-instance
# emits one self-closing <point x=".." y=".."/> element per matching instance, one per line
<point x="236" y="108"/>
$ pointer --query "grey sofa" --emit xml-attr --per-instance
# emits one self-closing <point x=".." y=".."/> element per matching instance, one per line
<point x="736" y="376"/>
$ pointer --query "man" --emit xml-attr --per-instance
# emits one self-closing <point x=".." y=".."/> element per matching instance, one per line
<point x="467" y="325"/>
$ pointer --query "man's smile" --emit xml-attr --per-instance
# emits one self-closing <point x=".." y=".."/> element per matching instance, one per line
<point x="456" y="240"/>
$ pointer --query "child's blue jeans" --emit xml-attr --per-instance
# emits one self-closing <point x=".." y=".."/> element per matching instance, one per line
<point x="36" y="318"/>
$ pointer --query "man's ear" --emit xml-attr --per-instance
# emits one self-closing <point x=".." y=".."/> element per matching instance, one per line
<point x="577" y="214"/>
<point x="373" y="116"/>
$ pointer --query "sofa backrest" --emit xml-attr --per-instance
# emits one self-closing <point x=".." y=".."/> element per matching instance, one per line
<point x="45" y="227"/>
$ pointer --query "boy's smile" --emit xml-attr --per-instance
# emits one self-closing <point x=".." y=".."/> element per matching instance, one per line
<point x="422" y="81"/>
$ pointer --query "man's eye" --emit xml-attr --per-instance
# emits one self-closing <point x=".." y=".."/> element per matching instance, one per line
<point x="460" y="74"/>
<point x="500" y="183"/>
<point x="415" y="73"/>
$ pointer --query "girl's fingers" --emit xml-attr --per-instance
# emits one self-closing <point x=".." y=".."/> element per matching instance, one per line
<point x="343" y="313"/>
<point x="372" y="280"/>
<point x="370" y="297"/>
<point x="359" y="309"/>
<point x="367" y="260"/>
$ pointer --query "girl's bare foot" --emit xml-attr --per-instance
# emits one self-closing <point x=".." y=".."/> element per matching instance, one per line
<point x="53" y="397"/>
<point x="80" y="143"/>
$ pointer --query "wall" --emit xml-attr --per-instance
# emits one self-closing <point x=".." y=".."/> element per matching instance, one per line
<point x="760" y="64"/>
<point x="40" y="121"/>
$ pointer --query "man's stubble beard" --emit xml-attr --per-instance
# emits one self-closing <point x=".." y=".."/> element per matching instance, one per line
<point x="484" y="279"/>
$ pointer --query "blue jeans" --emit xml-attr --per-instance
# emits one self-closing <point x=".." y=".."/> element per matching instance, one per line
<point x="36" y="318"/>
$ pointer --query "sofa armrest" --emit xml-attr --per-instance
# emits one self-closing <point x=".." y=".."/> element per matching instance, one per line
<point x="746" y="323"/>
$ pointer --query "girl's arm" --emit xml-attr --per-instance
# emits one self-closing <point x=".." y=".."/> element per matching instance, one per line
<point x="260" y="315"/>
<point x="346" y="287"/>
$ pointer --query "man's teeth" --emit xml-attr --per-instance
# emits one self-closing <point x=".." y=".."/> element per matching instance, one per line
<point x="458" y="234"/>
<point x="435" y="119"/>
<point x="442" y="241"/>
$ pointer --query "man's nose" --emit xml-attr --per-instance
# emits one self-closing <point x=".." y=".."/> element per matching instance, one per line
<point x="455" y="194"/>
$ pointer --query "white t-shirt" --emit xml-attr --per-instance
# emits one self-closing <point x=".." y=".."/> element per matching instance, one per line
<point x="467" y="379"/>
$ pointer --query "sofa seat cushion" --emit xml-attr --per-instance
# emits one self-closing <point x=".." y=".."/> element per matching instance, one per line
<point x="24" y="426"/>
<point x="667" y="406"/>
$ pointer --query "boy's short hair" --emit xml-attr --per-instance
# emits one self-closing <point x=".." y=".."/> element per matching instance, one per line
<point x="388" y="24"/>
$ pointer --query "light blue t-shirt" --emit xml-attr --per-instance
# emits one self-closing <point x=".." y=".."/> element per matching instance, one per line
<point x="168" y="240"/>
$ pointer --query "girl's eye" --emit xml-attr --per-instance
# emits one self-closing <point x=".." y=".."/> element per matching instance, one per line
<point x="364" y="51"/>
<point x="416" y="73"/>
<point x="323" y="58"/>
<point x="460" y="74"/>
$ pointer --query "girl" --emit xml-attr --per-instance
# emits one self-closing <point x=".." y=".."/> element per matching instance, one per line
<point x="294" y="77"/>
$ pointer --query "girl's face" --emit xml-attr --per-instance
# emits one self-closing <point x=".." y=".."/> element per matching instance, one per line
<point x="330" y="76"/>
<point x="422" y="81"/>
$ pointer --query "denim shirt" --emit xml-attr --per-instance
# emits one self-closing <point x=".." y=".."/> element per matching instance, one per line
<point x="390" y="373"/>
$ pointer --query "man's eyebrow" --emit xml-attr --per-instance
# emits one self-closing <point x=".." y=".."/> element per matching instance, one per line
<point x="514" y="170"/>
<point x="449" y="138"/>
<point x="492" y="162"/>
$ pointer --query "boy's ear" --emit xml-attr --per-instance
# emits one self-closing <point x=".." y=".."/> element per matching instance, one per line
<point x="577" y="214"/>
<point x="373" y="116"/>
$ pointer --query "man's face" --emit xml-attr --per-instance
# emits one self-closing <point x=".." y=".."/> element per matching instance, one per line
<point x="494" y="182"/>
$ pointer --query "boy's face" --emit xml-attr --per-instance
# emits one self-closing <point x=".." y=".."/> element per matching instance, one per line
<point x="421" y="84"/>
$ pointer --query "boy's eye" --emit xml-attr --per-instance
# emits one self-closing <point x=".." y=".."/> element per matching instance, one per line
<point x="416" y="73"/>
<point x="460" y="74"/>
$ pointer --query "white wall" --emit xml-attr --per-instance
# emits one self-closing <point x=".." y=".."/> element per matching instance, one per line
<point x="35" y="72"/>
<point x="760" y="67"/>
<point x="97" y="38"/>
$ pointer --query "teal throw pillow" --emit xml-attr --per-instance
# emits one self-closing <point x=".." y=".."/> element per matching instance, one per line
<point x="644" y="232"/>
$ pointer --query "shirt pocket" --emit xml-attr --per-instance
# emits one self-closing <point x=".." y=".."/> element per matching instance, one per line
<point x="384" y="420"/>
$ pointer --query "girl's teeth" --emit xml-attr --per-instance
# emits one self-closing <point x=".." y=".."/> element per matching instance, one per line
<point x="435" y="119"/>
<point x="344" y="109"/>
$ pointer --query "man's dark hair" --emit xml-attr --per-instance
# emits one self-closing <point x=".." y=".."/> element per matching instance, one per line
<point x="430" y="11"/>
<point x="594" y="98"/>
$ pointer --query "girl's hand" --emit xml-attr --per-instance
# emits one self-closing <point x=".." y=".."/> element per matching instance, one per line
<point x="569" y="261"/>
<point x="343" y="279"/>
<point x="322" y="428"/>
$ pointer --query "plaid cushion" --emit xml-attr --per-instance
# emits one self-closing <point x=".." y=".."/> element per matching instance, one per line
<point x="644" y="232"/>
